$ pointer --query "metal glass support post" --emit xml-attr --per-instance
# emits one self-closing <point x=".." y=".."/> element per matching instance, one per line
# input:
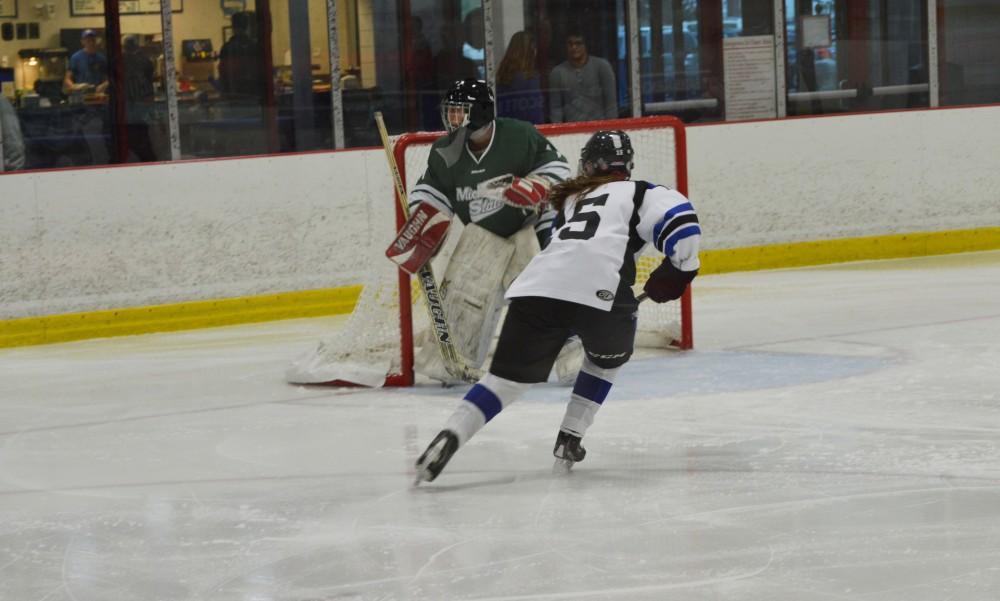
<point x="933" y="58"/>
<point x="488" y="47"/>
<point x="780" y="41"/>
<point x="336" y="93"/>
<point x="170" y="79"/>
<point x="300" y="47"/>
<point x="2" y="169"/>
<point x="116" y="79"/>
<point x="632" y="34"/>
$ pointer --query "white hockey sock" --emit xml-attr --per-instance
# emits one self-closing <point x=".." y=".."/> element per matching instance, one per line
<point x="482" y="403"/>
<point x="591" y="388"/>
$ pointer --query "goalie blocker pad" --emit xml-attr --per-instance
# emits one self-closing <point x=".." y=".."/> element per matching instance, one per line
<point x="419" y="238"/>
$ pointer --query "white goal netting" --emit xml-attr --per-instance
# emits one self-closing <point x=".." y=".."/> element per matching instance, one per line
<point x="373" y="347"/>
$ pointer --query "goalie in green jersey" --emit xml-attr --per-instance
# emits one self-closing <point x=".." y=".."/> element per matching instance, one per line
<point x="494" y="174"/>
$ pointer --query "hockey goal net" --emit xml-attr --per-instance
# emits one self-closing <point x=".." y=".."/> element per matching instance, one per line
<point x="376" y="345"/>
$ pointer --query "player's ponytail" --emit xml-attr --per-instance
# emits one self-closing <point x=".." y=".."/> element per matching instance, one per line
<point x="582" y="185"/>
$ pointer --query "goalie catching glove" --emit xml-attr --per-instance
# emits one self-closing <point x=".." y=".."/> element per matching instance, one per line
<point x="419" y="239"/>
<point x="667" y="283"/>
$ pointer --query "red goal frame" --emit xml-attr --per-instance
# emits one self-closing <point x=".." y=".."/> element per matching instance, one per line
<point x="686" y="342"/>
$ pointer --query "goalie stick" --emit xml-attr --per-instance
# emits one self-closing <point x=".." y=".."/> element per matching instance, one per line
<point x="453" y="363"/>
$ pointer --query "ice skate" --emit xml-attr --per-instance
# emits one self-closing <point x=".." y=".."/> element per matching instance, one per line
<point x="436" y="456"/>
<point x="567" y="452"/>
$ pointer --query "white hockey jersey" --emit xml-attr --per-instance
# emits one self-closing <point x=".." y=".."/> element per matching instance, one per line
<point x="597" y="238"/>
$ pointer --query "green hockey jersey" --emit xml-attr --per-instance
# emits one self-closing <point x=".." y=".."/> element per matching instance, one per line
<point x="459" y="183"/>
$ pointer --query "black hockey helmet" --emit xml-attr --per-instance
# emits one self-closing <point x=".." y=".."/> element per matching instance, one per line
<point x="607" y="151"/>
<point x="475" y="98"/>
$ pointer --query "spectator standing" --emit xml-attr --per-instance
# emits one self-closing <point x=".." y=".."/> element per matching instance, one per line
<point x="519" y="92"/>
<point x="583" y="86"/>
<point x="88" y="68"/>
<point x="11" y="141"/>
<point x="420" y="64"/>
<point x="239" y="61"/>
<point x="474" y="46"/>
<point x="422" y="60"/>
<point x="139" y="96"/>
<point x="450" y="65"/>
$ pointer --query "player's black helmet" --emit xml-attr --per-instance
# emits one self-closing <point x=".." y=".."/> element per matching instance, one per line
<point x="607" y="151"/>
<point x="472" y="96"/>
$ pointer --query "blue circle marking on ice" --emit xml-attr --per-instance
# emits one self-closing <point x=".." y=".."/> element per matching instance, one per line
<point x="713" y="372"/>
<point x="710" y="372"/>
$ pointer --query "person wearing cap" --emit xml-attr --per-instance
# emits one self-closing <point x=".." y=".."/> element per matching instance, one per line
<point x="88" y="68"/>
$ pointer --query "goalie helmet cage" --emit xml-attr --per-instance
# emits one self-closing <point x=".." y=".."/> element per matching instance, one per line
<point x="656" y="140"/>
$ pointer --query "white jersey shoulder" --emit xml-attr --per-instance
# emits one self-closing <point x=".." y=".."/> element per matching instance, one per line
<point x="669" y="222"/>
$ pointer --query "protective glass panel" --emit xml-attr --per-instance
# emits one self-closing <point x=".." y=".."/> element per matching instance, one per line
<point x="969" y="52"/>
<point x="54" y="76"/>
<point x="300" y="50"/>
<point x="669" y="64"/>
<point x="222" y="80"/>
<point x="845" y="57"/>
<point x="145" y="133"/>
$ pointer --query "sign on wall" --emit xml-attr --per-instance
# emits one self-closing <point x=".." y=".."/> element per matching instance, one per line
<point x="816" y="31"/>
<point x="95" y="8"/>
<point x="748" y="68"/>
<point x="8" y="9"/>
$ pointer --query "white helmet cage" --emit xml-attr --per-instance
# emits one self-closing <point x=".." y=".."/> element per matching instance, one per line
<point x="449" y="105"/>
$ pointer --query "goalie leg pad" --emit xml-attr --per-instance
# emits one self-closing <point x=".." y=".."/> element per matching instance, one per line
<point x="473" y="298"/>
<point x="473" y="290"/>
<point x="420" y="237"/>
<point x="525" y="247"/>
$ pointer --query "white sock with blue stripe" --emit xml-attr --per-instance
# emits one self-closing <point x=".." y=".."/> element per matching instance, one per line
<point x="483" y="402"/>
<point x="591" y="388"/>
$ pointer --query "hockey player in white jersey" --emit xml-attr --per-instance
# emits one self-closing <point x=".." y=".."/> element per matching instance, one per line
<point x="581" y="283"/>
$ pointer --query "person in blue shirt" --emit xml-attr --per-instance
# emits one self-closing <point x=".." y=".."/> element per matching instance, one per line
<point x="88" y="68"/>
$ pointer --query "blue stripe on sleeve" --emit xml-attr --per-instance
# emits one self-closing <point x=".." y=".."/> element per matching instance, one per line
<point x="484" y="400"/>
<point x="684" y="232"/>
<point x="591" y="387"/>
<point x="658" y="228"/>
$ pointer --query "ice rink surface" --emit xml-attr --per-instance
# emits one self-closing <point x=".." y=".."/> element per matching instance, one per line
<point x="835" y="435"/>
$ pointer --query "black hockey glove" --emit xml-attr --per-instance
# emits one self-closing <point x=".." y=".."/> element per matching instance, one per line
<point x="667" y="283"/>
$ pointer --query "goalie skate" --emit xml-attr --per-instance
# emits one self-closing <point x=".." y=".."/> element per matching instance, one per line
<point x="437" y="455"/>
<point x="567" y="452"/>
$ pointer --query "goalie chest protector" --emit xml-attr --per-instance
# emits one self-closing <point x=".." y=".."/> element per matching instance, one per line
<point x="455" y="174"/>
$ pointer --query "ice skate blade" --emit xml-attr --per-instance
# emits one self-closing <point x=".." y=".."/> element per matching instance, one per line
<point x="562" y="467"/>
<point x="420" y="477"/>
